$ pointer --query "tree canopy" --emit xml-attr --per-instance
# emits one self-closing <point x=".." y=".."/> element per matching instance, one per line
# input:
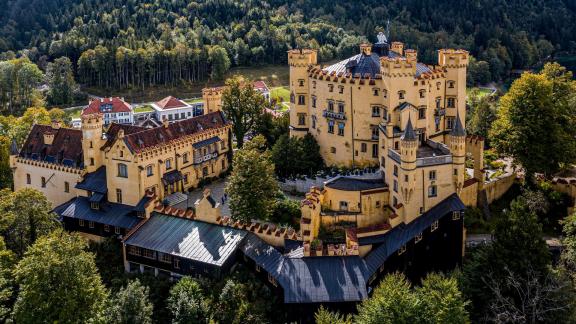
<point x="536" y="122"/>
<point x="58" y="282"/>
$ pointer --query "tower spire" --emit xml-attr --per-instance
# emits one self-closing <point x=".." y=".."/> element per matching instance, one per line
<point x="458" y="129"/>
<point x="409" y="134"/>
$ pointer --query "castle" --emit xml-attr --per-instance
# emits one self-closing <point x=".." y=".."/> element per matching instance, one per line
<point x="380" y="107"/>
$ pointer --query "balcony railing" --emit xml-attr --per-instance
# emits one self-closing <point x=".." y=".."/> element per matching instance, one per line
<point x="205" y="158"/>
<point x="434" y="160"/>
<point x="333" y="114"/>
<point x="420" y="162"/>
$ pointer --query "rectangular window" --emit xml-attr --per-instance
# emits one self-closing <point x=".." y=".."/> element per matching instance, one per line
<point x="330" y="88"/>
<point x="401" y="95"/>
<point x="165" y="257"/>
<point x="149" y="254"/>
<point x="122" y="170"/>
<point x="119" y="196"/>
<point x="418" y="238"/>
<point x="177" y="264"/>
<point x="376" y="92"/>
<point x="331" y="126"/>
<point x="301" y="100"/>
<point x="313" y="121"/>
<point x="395" y="186"/>
<point x="375" y="111"/>
<point x="330" y="105"/>
<point x="434" y="226"/>
<point x="301" y="82"/>
<point x="432" y="175"/>
<point x="117" y="230"/>
<point x="81" y="222"/>
<point x="313" y="84"/>
<point x="66" y="186"/>
<point x="374" y="150"/>
<point x="106" y="228"/>
<point x="341" y="107"/>
<point x="340" y="89"/>
<point x="91" y="224"/>
<point x="432" y="191"/>
<point x="422" y="93"/>
<point x="341" y="129"/>
<point x="43" y="182"/>
<point x="301" y="119"/>
<point x="422" y="113"/>
<point x="451" y="103"/>
<point x="363" y="147"/>
<point x="168" y="164"/>
<point x="394" y="201"/>
<point x="333" y="150"/>
<point x="344" y="205"/>
<point x="396" y="170"/>
<point x="185" y="158"/>
<point x="134" y="250"/>
<point x="28" y="178"/>
<point x="456" y="215"/>
<point x="449" y="122"/>
<point x="313" y="101"/>
<point x="149" y="171"/>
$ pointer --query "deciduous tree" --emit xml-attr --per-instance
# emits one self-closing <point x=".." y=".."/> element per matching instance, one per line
<point x="187" y="302"/>
<point x="130" y="305"/>
<point x="58" y="282"/>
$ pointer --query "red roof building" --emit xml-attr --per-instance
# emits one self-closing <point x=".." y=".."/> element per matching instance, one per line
<point x="115" y="110"/>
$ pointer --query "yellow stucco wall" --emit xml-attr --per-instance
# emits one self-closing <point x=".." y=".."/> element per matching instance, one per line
<point x="56" y="176"/>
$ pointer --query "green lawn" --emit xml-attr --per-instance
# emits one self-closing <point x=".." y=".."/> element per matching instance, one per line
<point x="478" y="92"/>
<point x="193" y="101"/>
<point x="283" y="93"/>
<point x="145" y="108"/>
<point x="73" y="113"/>
<point x="273" y="75"/>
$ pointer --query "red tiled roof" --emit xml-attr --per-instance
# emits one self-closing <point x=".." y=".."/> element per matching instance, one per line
<point x="118" y="105"/>
<point x="66" y="147"/>
<point x="113" y="131"/>
<point x="170" y="102"/>
<point x="260" y="85"/>
<point x="139" y="141"/>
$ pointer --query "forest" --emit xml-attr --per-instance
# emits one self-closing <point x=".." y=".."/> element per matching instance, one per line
<point x="140" y="43"/>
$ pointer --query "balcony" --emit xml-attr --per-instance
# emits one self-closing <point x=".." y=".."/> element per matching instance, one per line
<point x="332" y="114"/>
<point x="205" y="158"/>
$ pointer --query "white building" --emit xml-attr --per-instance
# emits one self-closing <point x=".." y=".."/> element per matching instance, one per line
<point x="115" y="110"/>
<point x="263" y="88"/>
<point x="173" y="109"/>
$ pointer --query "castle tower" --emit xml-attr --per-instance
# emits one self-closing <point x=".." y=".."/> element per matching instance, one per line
<point x="458" y="150"/>
<point x="300" y="60"/>
<point x="92" y="141"/>
<point x="408" y="148"/>
<point x="455" y="63"/>
<point x="212" y="98"/>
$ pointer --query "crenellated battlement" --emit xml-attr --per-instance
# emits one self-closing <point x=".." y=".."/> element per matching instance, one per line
<point x="302" y="57"/>
<point x="453" y="58"/>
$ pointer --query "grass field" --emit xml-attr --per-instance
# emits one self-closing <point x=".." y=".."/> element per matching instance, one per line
<point x="144" y="108"/>
<point x="273" y="75"/>
<point x="478" y="92"/>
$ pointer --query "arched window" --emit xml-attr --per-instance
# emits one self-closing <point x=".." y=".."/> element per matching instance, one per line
<point x="122" y="170"/>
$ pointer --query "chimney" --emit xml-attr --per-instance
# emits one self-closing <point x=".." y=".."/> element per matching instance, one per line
<point x="397" y="47"/>
<point x="366" y="49"/>
<point x="411" y="55"/>
<point x="56" y="124"/>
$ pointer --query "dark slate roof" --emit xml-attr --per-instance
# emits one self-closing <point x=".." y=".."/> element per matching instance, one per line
<point x="189" y="239"/>
<point x="141" y="205"/>
<point x="172" y="177"/>
<point x="95" y="181"/>
<point x="409" y="134"/>
<point x="403" y="233"/>
<point x="96" y="197"/>
<point x="206" y="142"/>
<point x="368" y="64"/>
<point x="458" y="129"/>
<point x="113" y="130"/>
<point x="310" y="280"/>
<point x="355" y="184"/>
<point x="112" y="214"/>
<point x="405" y="105"/>
<point x="176" y="198"/>
<point x="66" y="148"/>
<point x="151" y="137"/>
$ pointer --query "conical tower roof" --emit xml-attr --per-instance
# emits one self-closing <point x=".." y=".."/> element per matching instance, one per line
<point x="409" y="134"/>
<point x="458" y="129"/>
